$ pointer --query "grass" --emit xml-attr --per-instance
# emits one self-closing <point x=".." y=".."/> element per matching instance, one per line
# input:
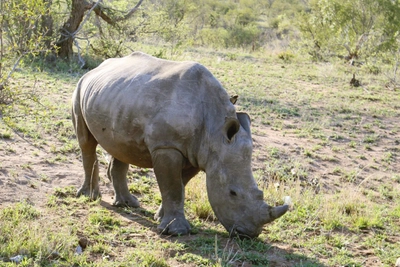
<point x="332" y="148"/>
<point x="197" y="201"/>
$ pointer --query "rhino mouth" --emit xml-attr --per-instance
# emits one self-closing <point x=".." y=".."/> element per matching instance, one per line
<point x="243" y="233"/>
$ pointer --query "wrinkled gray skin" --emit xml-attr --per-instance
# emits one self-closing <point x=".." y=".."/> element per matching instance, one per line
<point x="174" y="117"/>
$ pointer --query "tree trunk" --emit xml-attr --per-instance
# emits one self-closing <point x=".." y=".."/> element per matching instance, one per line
<point x="65" y="43"/>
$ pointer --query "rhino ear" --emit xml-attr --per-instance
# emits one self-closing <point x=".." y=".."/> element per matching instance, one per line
<point x="245" y="121"/>
<point x="233" y="99"/>
<point x="231" y="127"/>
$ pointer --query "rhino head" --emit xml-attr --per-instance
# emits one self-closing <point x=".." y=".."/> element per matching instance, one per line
<point x="232" y="191"/>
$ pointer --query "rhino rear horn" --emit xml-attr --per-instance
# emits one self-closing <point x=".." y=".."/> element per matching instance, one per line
<point x="245" y="121"/>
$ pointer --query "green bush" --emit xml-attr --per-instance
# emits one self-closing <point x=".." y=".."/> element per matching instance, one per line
<point x="286" y="56"/>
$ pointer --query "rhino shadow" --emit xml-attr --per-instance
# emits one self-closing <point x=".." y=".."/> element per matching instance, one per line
<point x="138" y="215"/>
<point x="201" y="242"/>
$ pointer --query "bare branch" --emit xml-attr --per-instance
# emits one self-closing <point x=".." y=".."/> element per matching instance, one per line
<point x="86" y="18"/>
<point x="81" y="60"/>
<point x="363" y="38"/>
<point x="131" y="12"/>
<point x="16" y="63"/>
<point x="347" y="48"/>
<point x="99" y="12"/>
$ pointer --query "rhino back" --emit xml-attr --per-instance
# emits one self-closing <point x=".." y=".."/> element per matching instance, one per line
<point x="137" y="104"/>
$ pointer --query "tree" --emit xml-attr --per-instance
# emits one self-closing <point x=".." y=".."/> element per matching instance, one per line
<point x="72" y="26"/>
<point x="350" y="28"/>
<point x="27" y="28"/>
<point x="22" y="32"/>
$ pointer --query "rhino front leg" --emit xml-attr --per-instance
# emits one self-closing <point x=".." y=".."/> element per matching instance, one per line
<point x="187" y="174"/>
<point x="168" y="164"/>
<point x="117" y="171"/>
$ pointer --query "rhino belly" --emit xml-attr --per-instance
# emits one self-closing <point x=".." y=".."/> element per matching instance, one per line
<point x="124" y="143"/>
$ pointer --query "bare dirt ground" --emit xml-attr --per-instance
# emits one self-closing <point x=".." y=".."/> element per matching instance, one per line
<point x="26" y="174"/>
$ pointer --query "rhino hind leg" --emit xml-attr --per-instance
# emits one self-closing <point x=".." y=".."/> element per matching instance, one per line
<point x="117" y="171"/>
<point x="187" y="175"/>
<point x="90" y="187"/>
<point x="88" y="144"/>
<point x="168" y="164"/>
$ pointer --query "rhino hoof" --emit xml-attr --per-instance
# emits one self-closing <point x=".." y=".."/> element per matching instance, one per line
<point x="175" y="227"/>
<point x="92" y="194"/>
<point x="127" y="201"/>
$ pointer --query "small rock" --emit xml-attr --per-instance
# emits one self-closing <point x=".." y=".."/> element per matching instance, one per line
<point x="397" y="263"/>
<point x="17" y="259"/>
<point x="288" y="200"/>
<point x="83" y="243"/>
<point x="78" y="250"/>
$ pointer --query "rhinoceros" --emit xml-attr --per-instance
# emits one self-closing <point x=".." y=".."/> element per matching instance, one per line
<point x="176" y="118"/>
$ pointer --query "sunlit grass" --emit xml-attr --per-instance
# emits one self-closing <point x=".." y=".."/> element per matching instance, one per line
<point x="197" y="199"/>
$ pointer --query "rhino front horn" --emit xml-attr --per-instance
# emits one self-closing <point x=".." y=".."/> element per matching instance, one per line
<point x="279" y="211"/>
<point x="276" y="212"/>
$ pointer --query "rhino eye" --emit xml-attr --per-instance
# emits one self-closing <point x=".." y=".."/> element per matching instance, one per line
<point x="232" y="193"/>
